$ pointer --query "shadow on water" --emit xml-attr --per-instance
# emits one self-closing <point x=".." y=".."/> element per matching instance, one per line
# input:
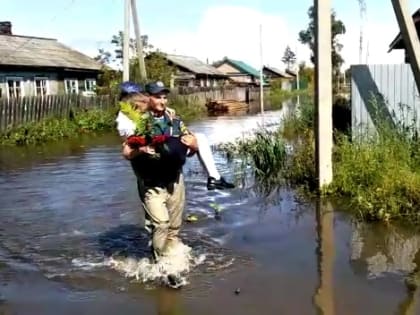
<point x="126" y="240"/>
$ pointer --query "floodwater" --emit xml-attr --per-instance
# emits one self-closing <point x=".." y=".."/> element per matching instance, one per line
<point x="71" y="240"/>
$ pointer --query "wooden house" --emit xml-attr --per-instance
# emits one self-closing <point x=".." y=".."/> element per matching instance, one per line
<point x="271" y="73"/>
<point x="32" y="66"/>
<point x="192" y="72"/>
<point x="398" y="42"/>
<point x="239" y="72"/>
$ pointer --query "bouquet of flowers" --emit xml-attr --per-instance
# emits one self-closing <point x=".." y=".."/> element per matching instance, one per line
<point x="144" y="132"/>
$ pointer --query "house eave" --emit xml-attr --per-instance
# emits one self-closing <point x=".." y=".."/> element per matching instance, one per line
<point x="14" y="67"/>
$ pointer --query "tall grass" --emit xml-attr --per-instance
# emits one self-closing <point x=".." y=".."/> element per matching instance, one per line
<point x="266" y="152"/>
<point x="187" y="107"/>
<point x="378" y="173"/>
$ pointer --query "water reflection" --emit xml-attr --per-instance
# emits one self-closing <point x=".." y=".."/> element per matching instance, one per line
<point x="378" y="249"/>
<point x="168" y="303"/>
<point x="410" y="304"/>
<point x="76" y="218"/>
<point x="325" y="251"/>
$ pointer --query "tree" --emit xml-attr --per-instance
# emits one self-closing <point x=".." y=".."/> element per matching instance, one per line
<point x="157" y="65"/>
<point x="158" y="68"/>
<point x="117" y="40"/>
<point x="108" y="81"/>
<point x="103" y="57"/>
<point x="337" y="28"/>
<point x="289" y="57"/>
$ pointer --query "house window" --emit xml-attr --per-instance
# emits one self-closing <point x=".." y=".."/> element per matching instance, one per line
<point x="90" y="85"/>
<point x="14" y="87"/>
<point x="71" y="86"/>
<point x="41" y="86"/>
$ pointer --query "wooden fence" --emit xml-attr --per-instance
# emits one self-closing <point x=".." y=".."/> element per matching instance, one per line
<point x="18" y="111"/>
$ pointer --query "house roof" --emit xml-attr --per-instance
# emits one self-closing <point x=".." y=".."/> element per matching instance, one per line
<point x="278" y="72"/>
<point x="398" y="42"/>
<point x="241" y="66"/>
<point x="42" y="52"/>
<point x="194" y="65"/>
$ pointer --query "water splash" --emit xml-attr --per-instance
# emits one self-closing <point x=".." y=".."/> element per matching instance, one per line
<point x="178" y="262"/>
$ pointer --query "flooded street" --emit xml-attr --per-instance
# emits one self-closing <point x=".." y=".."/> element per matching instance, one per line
<point x="71" y="234"/>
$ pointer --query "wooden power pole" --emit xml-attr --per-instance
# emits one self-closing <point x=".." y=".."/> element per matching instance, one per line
<point x="139" y="42"/>
<point x="126" y="42"/>
<point x="409" y="36"/>
<point x="323" y="92"/>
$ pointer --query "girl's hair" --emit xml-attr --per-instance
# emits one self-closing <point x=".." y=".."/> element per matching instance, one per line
<point x="124" y="96"/>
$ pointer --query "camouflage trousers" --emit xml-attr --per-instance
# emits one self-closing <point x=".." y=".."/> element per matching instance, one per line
<point x="163" y="214"/>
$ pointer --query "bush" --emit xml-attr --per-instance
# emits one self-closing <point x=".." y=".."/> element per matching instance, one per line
<point x="379" y="173"/>
<point x="58" y="128"/>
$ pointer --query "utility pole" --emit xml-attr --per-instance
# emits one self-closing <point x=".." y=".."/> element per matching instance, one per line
<point x="126" y="41"/>
<point x="323" y="92"/>
<point x="409" y="36"/>
<point x="139" y="42"/>
<point x="297" y="76"/>
<point x="261" y="77"/>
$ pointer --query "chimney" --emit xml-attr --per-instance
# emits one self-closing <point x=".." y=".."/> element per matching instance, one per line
<point x="5" y="28"/>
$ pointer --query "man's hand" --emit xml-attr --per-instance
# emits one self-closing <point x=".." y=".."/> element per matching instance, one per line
<point x="148" y="149"/>
<point x="130" y="153"/>
<point x="190" y="141"/>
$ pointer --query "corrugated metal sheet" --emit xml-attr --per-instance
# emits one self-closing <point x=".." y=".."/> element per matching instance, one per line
<point x="42" y="52"/>
<point x="383" y="92"/>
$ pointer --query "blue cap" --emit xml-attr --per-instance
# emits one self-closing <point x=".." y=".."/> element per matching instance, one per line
<point x="156" y="88"/>
<point x="131" y="87"/>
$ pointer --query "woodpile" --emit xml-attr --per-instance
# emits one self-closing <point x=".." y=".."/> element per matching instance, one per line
<point x="226" y="106"/>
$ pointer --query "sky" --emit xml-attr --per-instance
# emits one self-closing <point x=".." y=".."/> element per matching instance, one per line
<point x="209" y="30"/>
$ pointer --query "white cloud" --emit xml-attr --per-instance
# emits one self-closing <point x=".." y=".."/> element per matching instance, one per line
<point x="233" y="31"/>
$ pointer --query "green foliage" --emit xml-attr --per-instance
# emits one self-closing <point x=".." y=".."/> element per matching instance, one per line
<point x="299" y="120"/>
<point x="300" y="171"/>
<point x="108" y="81"/>
<point x="379" y="174"/>
<point x="158" y="68"/>
<point x="307" y="74"/>
<point x="187" y="107"/>
<point x="103" y="57"/>
<point x="337" y="28"/>
<point x="117" y="41"/>
<point x="51" y="129"/>
<point x="266" y="152"/>
<point x="289" y="57"/>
